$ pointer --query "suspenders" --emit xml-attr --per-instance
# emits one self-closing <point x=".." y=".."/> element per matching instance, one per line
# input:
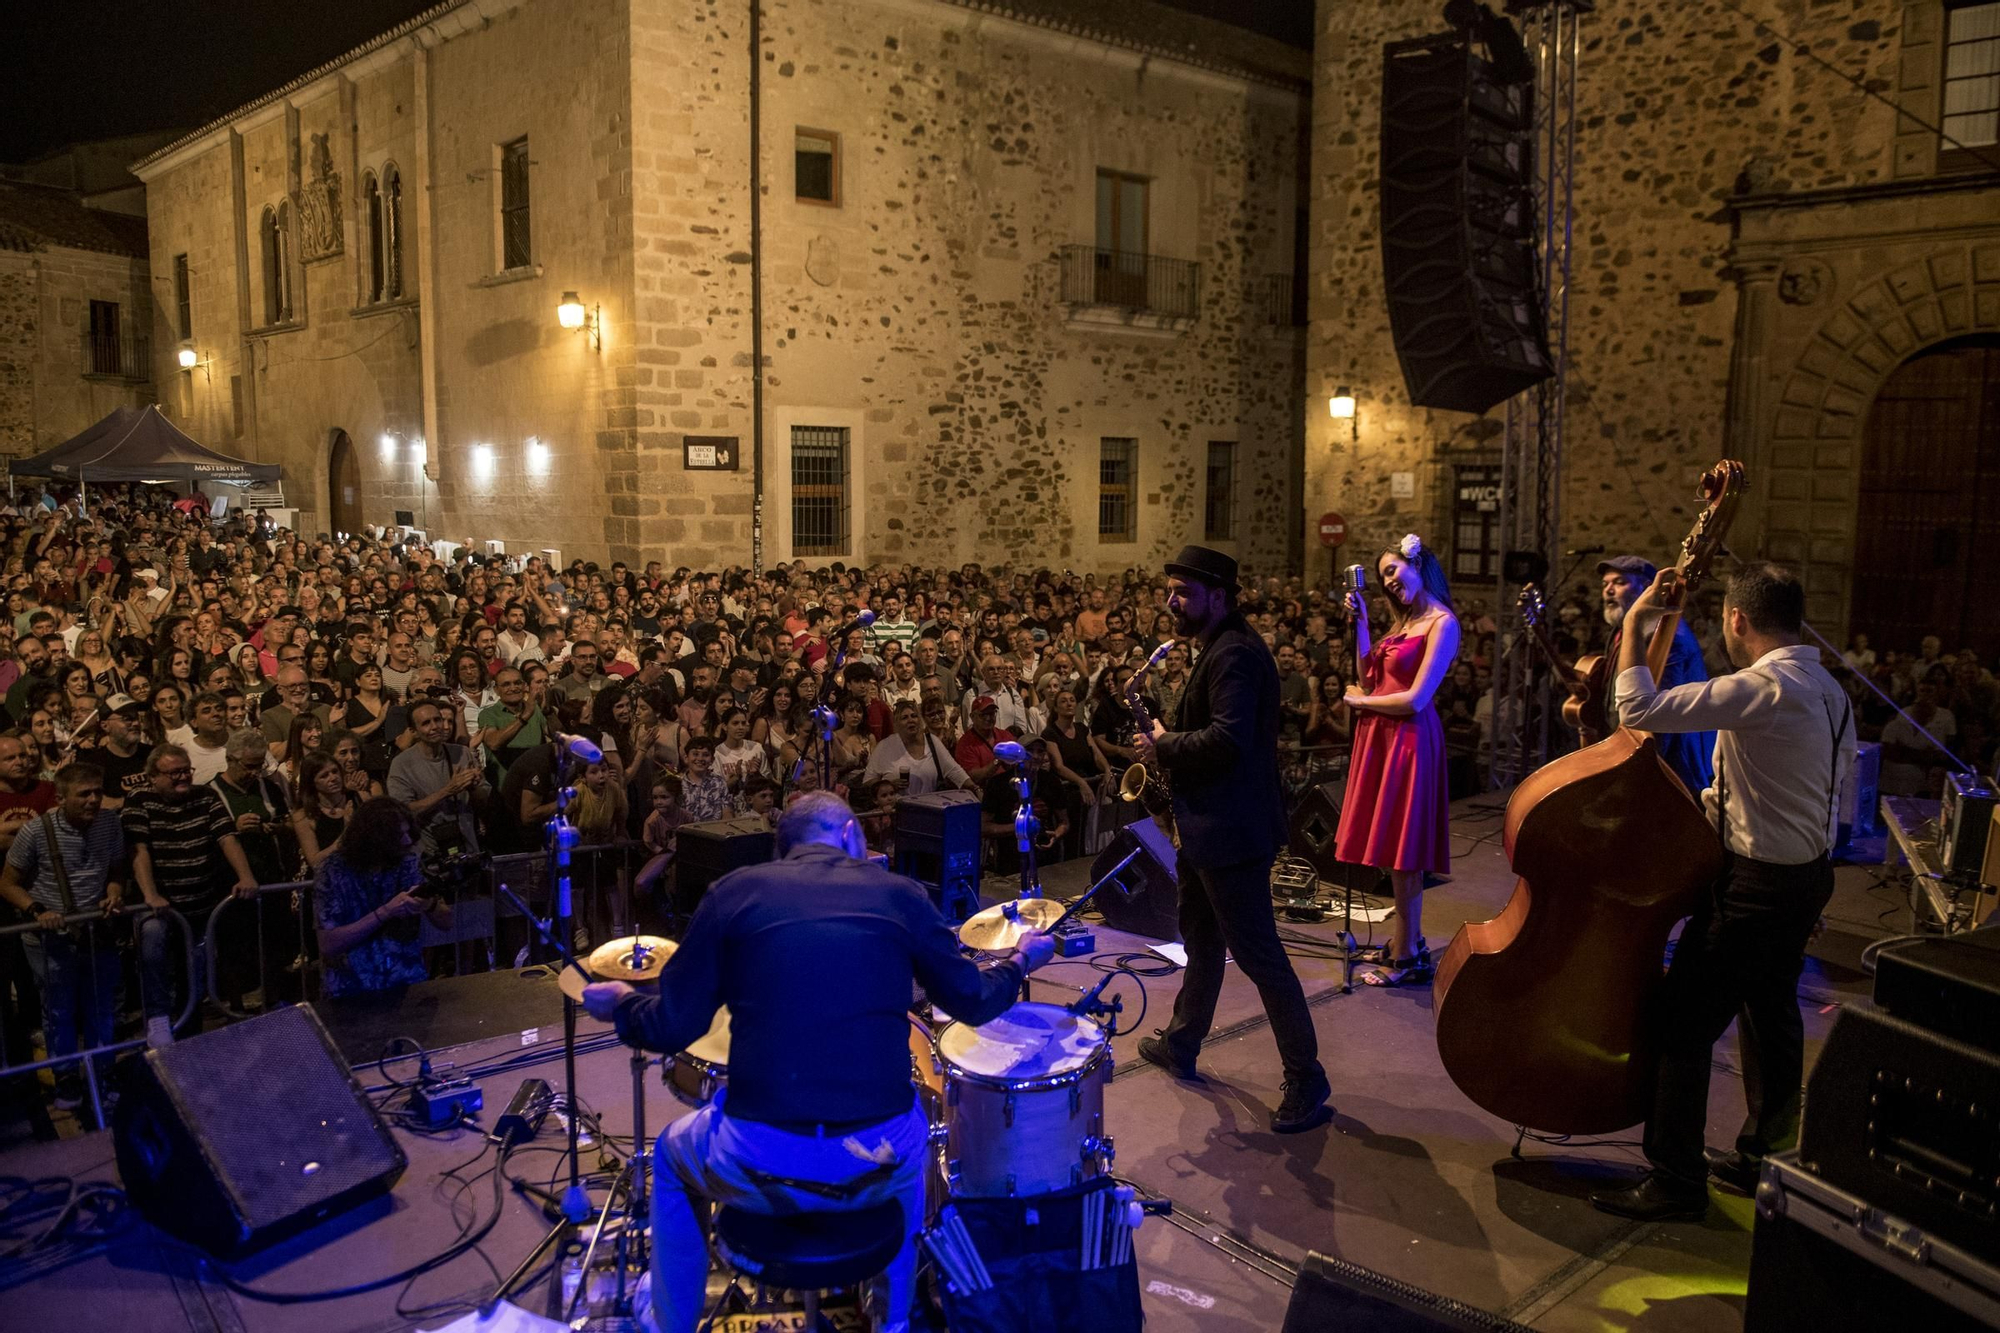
<point x="1835" y="730"/>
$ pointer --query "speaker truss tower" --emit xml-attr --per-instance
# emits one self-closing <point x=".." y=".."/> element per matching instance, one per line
<point x="1531" y="462"/>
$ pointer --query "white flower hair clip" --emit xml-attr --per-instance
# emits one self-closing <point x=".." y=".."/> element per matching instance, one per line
<point x="1410" y="546"/>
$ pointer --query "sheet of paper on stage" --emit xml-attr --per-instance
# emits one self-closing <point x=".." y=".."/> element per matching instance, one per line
<point x="1173" y="953"/>
<point x="507" y="1318"/>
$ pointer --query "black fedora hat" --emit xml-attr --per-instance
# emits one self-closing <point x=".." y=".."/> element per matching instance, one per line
<point x="1204" y="566"/>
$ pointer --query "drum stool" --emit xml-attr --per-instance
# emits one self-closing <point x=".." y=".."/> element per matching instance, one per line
<point x="810" y="1253"/>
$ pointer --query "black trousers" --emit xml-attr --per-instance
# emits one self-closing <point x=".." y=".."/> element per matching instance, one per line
<point x="1227" y="910"/>
<point x="1740" y="955"/>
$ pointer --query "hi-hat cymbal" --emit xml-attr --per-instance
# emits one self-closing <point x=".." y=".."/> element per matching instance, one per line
<point x="634" y="958"/>
<point x="998" y="929"/>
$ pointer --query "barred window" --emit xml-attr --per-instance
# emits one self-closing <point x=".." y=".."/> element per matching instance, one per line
<point x="516" y="249"/>
<point x="1220" y="522"/>
<point x="1118" y="490"/>
<point x="1971" y="85"/>
<point x="819" y="491"/>
<point x="183" y="298"/>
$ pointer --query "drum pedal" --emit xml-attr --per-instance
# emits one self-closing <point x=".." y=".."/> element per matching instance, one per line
<point x="1074" y="940"/>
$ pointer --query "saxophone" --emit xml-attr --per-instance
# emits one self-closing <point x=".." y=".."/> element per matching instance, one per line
<point x="1150" y="789"/>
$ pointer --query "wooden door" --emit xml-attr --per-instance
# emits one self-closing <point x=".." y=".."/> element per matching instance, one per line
<point x="1927" y="531"/>
<point x="344" y="485"/>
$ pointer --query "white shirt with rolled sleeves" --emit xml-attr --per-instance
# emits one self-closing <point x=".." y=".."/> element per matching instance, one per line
<point x="1774" y="722"/>
<point x="931" y="768"/>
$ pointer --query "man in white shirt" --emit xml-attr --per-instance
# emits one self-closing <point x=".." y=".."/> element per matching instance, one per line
<point x="1785" y="740"/>
<point x="914" y="758"/>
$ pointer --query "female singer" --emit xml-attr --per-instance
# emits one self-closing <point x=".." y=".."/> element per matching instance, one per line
<point x="1397" y="813"/>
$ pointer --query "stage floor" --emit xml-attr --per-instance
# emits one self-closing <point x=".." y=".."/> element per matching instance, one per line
<point x="1410" y="1179"/>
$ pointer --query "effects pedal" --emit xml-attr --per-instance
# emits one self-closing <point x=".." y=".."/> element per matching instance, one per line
<point x="1074" y="940"/>
<point x="440" y="1101"/>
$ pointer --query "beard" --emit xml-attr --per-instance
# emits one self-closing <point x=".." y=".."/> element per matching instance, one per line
<point x="1614" y="614"/>
<point x="1183" y="626"/>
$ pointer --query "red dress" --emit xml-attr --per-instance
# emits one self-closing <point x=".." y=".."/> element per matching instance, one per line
<point x="1396" y="814"/>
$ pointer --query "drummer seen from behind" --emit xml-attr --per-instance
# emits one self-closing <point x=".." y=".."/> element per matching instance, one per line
<point x="819" y="1071"/>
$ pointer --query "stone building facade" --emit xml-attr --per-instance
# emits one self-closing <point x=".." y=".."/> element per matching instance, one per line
<point x="945" y="354"/>
<point x="75" y="308"/>
<point x="1760" y="244"/>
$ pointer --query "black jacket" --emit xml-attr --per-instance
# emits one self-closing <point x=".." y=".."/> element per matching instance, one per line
<point x="1221" y="755"/>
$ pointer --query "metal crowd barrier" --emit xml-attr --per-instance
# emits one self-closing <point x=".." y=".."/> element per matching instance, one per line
<point x="13" y="937"/>
<point x="601" y="877"/>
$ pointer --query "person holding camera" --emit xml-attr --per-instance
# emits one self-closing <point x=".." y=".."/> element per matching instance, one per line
<point x="367" y="896"/>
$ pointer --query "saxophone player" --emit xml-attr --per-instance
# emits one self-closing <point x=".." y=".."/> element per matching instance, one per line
<point x="1221" y="763"/>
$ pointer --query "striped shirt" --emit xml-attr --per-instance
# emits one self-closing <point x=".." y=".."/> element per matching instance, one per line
<point x="182" y="836"/>
<point x="89" y="854"/>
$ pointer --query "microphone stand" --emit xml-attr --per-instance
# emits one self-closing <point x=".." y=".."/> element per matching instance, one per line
<point x="827" y="713"/>
<point x="559" y="840"/>
<point x="1027" y="828"/>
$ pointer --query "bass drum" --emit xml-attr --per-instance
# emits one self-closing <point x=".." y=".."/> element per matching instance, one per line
<point x="1024" y="1101"/>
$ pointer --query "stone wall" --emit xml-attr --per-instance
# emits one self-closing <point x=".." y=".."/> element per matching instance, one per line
<point x="1681" y="109"/>
<point x="923" y="314"/>
<point x="46" y="396"/>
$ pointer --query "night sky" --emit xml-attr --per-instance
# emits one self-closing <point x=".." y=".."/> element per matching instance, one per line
<point x="73" y="70"/>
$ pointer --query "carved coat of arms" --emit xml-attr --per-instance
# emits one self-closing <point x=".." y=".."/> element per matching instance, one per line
<point x="319" y="206"/>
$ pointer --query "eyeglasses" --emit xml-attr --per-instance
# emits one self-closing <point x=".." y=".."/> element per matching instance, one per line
<point x="176" y="774"/>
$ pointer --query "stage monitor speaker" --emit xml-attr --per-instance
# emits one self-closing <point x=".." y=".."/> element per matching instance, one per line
<point x="1334" y="1294"/>
<point x="705" y="852"/>
<point x="1145" y="897"/>
<point x="245" y="1135"/>
<point x="937" y="840"/>
<point x="1314" y="824"/>
<point x="1459" y="261"/>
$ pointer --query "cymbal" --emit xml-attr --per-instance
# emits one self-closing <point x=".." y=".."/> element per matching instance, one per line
<point x="634" y="958"/>
<point x="998" y="929"/>
<point x="615" y="961"/>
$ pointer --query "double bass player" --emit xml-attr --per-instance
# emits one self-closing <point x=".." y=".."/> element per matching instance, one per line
<point x="1784" y="746"/>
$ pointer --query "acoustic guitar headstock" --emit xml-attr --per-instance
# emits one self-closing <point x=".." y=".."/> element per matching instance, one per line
<point x="1722" y="489"/>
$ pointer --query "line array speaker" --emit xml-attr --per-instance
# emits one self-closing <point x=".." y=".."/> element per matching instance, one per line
<point x="1458" y="223"/>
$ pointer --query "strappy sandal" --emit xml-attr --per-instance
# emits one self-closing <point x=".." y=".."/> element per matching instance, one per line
<point x="1415" y="971"/>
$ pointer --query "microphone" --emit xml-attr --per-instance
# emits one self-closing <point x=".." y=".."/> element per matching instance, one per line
<point x="1012" y="751"/>
<point x="862" y="620"/>
<point x="1585" y="550"/>
<point x="1357" y="578"/>
<point x="579" y="748"/>
<point x="1088" y="1001"/>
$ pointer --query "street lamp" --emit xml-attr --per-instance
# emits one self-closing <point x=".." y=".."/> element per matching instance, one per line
<point x="572" y="314"/>
<point x="1341" y="408"/>
<point x="187" y="356"/>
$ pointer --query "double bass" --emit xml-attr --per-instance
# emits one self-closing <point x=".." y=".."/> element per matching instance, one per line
<point x="1543" y="1013"/>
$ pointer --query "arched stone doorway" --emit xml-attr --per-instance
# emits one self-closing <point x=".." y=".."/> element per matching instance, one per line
<point x="343" y="485"/>
<point x="1927" y="524"/>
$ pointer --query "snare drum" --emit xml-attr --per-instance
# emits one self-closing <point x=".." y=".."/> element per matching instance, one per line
<point x="1024" y="1101"/>
<point x="702" y="1070"/>
<point x="699" y="1072"/>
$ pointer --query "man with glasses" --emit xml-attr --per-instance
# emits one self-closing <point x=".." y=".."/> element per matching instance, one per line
<point x="294" y="696"/>
<point x="583" y="679"/>
<point x="176" y="830"/>
<point x="513" y="726"/>
<point x="440" y="782"/>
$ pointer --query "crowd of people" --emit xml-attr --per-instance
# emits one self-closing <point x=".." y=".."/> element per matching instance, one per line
<point x="208" y="707"/>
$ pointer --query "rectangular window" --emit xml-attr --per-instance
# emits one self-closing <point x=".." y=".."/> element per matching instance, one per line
<point x="1475" y="545"/>
<point x="819" y="490"/>
<point x="183" y="302"/>
<point x="1118" y="490"/>
<point x="104" y="349"/>
<point x="515" y="248"/>
<point x="236" y="406"/>
<point x="1220" y="523"/>
<point x="1121" y="239"/>
<point x="816" y="167"/>
<point x="1971" y="85"/>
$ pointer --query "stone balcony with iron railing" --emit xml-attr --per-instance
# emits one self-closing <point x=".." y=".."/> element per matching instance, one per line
<point x="1127" y="292"/>
<point x="123" y="355"/>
